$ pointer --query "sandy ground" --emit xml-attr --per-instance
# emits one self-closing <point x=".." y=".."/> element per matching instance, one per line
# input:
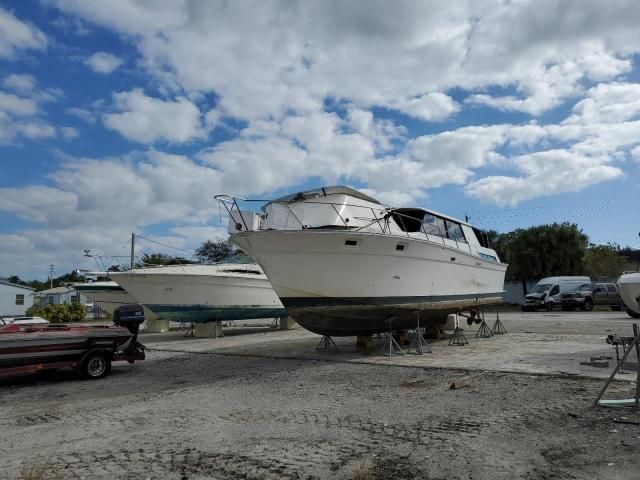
<point x="256" y="406"/>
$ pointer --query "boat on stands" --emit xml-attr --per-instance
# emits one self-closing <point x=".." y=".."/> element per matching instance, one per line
<point x="108" y="295"/>
<point x="344" y="264"/>
<point x="26" y="349"/>
<point x="201" y="293"/>
<point x="629" y="288"/>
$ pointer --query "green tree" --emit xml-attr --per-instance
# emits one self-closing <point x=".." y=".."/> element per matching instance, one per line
<point x="212" y="251"/>
<point x="162" y="259"/>
<point x="604" y="261"/>
<point x="543" y="251"/>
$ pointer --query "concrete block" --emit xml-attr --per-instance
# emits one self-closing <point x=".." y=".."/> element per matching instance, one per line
<point x="288" y="323"/>
<point x="364" y="343"/>
<point x="157" y="326"/>
<point x="209" y="329"/>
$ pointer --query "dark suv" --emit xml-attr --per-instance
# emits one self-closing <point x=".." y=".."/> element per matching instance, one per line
<point x="588" y="295"/>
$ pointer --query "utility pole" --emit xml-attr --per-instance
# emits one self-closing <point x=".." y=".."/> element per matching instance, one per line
<point x="51" y="272"/>
<point x="133" y="249"/>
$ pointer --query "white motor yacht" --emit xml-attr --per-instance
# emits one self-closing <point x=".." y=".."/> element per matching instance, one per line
<point x="344" y="264"/>
<point x="197" y="293"/>
<point x="629" y="287"/>
<point x="108" y="295"/>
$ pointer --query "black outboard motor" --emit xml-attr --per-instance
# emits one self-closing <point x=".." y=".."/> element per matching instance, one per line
<point x="130" y="316"/>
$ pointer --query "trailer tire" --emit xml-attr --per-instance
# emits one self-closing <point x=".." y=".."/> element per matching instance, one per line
<point x="96" y="365"/>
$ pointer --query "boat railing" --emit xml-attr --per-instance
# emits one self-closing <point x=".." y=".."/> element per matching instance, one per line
<point x="231" y="204"/>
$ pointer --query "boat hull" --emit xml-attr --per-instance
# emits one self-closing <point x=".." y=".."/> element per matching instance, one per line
<point x="203" y="293"/>
<point x="629" y="287"/>
<point x="109" y="296"/>
<point x="354" y="283"/>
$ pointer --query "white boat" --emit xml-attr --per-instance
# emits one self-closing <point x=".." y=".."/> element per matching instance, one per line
<point x="344" y="264"/>
<point x="203" y="293"/>
<point x="108" y="295"/>
<point x="629" y="287"/>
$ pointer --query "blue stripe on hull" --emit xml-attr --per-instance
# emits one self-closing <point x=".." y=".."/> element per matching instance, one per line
<point x="310" y="302"/>
<point x="207" y="313"/>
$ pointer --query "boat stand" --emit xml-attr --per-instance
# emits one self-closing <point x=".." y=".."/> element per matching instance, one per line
<point x="419" y="343"/>
<point x="326" y="345"/>
<point x="275" y="323"/>
<point x="634" y="402"/>
<point x="458" y="338"/>
<point x="498" y="327"/>
<point x="390" y="346"/>
<point x="191" y="327"/>
<point x="484" y="331"/>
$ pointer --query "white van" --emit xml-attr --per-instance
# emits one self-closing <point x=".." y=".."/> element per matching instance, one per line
<point x="548" y="292"/>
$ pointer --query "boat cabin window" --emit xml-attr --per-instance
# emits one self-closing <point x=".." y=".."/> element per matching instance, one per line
<point x="482" y="237"/>
<point x="409" y="219"/>
<point x="434" y="225"/>
<point x="454" y="231"/>
<point x="351" y="243"/>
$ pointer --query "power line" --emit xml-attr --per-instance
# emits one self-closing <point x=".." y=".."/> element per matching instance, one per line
<point x="165" y="245"/>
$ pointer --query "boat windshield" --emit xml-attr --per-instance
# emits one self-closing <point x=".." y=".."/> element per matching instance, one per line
<point x="541" y="288"/>
<point x="239" y="258"/>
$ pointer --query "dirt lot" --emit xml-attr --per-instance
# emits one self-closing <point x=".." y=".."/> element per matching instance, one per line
<point x="205" y="415"/>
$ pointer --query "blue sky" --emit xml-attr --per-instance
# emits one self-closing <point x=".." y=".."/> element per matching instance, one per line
<point x="127" y="116"/>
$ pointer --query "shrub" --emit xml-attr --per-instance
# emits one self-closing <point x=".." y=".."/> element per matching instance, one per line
<point x="59" y="313"/>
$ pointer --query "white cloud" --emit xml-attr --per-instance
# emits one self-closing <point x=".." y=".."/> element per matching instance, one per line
<point x="608" y="103"/>
<point x="103" y="62"/>
<point x="14" y="105"/>
<point x="545" y="173"/>
<point x="69" y="133"/>
<point x="83" y="114"/>
<point x="268" y="58"/>
<point x="19" y="83"/>
<point x="146" y="119"/>
<point x="432" y="107"/>
<point x="17" y="35"/>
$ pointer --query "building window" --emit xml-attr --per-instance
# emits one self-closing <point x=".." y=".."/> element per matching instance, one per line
<point x="19" y="299"/>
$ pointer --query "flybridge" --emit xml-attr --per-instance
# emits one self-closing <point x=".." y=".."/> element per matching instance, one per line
<point x="342" y="208"/>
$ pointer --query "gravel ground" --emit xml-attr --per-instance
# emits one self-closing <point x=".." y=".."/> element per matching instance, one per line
<point x="202" y="415"/>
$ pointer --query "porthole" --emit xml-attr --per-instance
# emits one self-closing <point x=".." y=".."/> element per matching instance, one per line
<point x="351" y="243"/>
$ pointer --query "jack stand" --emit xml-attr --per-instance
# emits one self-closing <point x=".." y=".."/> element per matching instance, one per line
<point x="326" y="345"/>
<point x="275" y="323"/>
<point x="419" y="342"/>
<point x="458" y="338"/>
<point x="484" y="331"/>
<point x="390" y="346"/>
<point x="620" y="370"/>
<point x="190" y="330"/>
<point x="498" y="327"/>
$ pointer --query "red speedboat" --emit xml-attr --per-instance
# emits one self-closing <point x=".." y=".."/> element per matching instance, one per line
<point x="26" y="349"/>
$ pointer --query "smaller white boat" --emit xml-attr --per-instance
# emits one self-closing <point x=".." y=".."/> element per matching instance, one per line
<point x="629" y="287"/>
<point x="108" y="295"/>
<point x="200" y="293"/>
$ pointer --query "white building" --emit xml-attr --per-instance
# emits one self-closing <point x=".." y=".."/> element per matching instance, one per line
<point x="14" y="299"/>
<point x="59" y="295"/>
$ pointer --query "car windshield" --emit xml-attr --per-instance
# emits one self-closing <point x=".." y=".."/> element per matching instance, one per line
<point x="541" y="288"/>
